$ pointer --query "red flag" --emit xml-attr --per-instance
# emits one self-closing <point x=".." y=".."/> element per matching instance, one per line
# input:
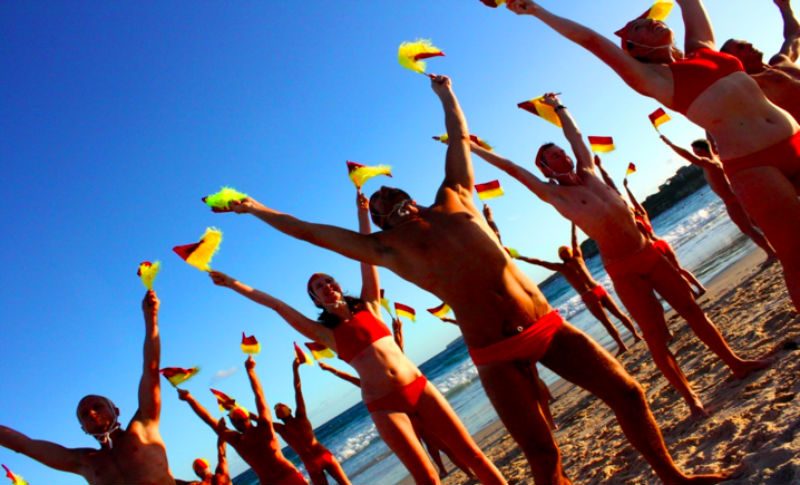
<point x="178" y="375"/>
<point x="631" y="169"/>
<point x="405" y="311"/>
<point x="601" y="144"/>
<point x="226" y="403"/>
<point x="301" y="356"/>
<point x="250" y="344"/>
<point x="319" y="351"/>
<point x="489" y="190"/>
<point x="658" y="117"/>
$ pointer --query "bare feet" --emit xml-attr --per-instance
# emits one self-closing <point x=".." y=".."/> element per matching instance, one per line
<point x="621" y="349"/>
<point x="697" y="409"/>
<point x="747" y="367"/>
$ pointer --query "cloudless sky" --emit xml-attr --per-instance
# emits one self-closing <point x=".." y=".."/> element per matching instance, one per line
<point x="116" y="117"/>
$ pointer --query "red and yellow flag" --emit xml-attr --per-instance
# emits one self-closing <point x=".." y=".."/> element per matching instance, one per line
<point x="660" y="9"/>
<point x="493" y="3"/>
<point x="385" y="302"/>
<point x="250" y="344"/>
<point x="178" y="375"/>
<point x="411" y="54"/>
<point x="199" y="254"/>
<point x="147" y="272"/>
<point x="319" y="351"/>
<point x="302" y="356"/>
<point x="658" y="117"/>
<point x="405" y="311"/>
<point x="359" y="173"/>
<point x="489" y="190"/>
<point x="473" y="138"/>
<point x="631" y="169"/>
<point x="225" y="402"/>
<point x="15" y="479"/>
<point x="223" y="198"/>
<point x="539" y="108"/>
<point x="601" y="144"/>
<point x="440" y="311"/>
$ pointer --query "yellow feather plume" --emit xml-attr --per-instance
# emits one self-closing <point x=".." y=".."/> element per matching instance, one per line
<point x="410" y="54"/>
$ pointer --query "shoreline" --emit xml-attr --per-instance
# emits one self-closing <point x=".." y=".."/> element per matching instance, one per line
<point x="754" y="422"/>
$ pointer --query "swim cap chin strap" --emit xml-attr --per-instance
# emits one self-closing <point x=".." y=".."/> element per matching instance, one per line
<point x="105" y="437"/>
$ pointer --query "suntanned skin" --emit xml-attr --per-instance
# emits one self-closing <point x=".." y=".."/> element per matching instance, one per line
<point x="715" y="176"/>
<point x="138" y="454"/>
<point x="585" y="199"/>
<point x="733" y="110"/>
<point x="449" y="250"/>
<point x="297" y="431"/>
<point x="382" y="366"/>
<point x="257" y="444"/>
<point x="573" y="269"/>
<point x="638" y="209"/>
<point x="220" y="476"/>
<point x="780" y="78"/>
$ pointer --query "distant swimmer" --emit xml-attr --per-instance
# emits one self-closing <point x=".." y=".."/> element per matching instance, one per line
<point x="703" y="156"/>
<point x="392" y="387"/>
<point x="780" y="78"/>
<point x="297" y="431"/>
<point x="135" y="454"/>
<point x="450" y="251"/>
<point x="257" y="443"/>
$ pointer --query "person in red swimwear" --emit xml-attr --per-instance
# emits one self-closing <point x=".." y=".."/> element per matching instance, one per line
<point x="297" y="431"/>
<point x="595" y="297"/>
<point x="780" y="79"/>
<point x="707" y="160"/>
<point x="506" y="321"/>
<point x="758" y="142"/>
<point x="646" y="226"/>
<point x="637" y="269"/>
<point x="202" y="469"/>
<point x="393" y="388"/>
<point x="257" y="443"/>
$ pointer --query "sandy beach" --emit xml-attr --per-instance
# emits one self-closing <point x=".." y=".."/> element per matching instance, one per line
<point x="754" y="425"/>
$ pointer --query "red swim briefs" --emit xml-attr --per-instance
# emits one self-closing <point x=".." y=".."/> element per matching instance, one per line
<point x="784" y="155"/>
<point x="530" y="344"/>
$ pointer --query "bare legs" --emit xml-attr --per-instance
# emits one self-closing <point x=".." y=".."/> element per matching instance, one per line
<point x="595" y="309"/>
<point x="743" y="222"/>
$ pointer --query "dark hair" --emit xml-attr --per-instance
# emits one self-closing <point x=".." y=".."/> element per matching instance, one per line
<point x="703" y="144"/>
<point x="329" y="320"/>
<point x="727" y="45"/>
<point x="538" y="160"/>
<point x="377" y="218"/>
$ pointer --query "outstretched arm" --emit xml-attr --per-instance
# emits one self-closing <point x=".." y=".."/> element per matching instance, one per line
<point x="639" y="76"/>
<point x="356" y="246"/>
<point x="150" y="384"/>
<point x="198" y="408"/>
<point x="636" y="205"/>
<point x="370" y="281"/>
<point x="299" y="402"/>
<point x="791" y="34"/>
<point x="458" y="174"/>
<point x="539" y="262"/>
<point x="572" y="133"/>
<point x="487" y="214"/>
<point x="606" y="178"/>
<point x="45" y="452"/>
<point x="397" y="331"/>
<point x="341" y="374"/>
<point x="258" y="391"/>
<point x="689" y="156"/>
<point x="297" y="320"/>
<point x="542" y="190"/>
<point x="699" y="32"/>
<point x="222" y="460"/>
<point x="576" y="248"/>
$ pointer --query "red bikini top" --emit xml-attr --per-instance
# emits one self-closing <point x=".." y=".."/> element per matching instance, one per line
<point x="357" y="334"/>
<point x="645" y="225"/>
<point x="699" y="70"/>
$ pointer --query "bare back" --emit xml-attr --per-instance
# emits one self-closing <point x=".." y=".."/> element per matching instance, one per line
<point x="577" y="275"/>
<point x="259" y="447"/>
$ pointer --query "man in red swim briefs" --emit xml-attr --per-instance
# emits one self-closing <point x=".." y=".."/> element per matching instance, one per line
<point x="595" y="297"/>
<point x="505" y="319"/>
<point x="298" y="433"/>
<point x="637" y="269"/>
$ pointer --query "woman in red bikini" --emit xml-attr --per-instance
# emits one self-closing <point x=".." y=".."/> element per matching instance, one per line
<point x="393" y="388"/>
<point x="759" y="143"/>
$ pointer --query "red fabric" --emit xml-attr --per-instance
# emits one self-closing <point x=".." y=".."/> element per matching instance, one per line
<point x="641" y="262"/>
<point x="784" y="155"/>
<point x="645" y="225"/>
<point x="357" y="334"/>
<point x="662" y="246"/>
<point x="186" y="250"/>
<point x="403" y="399"/>
<point x="530" y="344"/>
<point x="596" y="293"/>
<point x="699" y="70"/>
<point x="293" y="477"/>
<point x="321" y="461"/>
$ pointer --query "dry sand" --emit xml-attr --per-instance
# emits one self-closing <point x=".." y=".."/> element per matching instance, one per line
<point x="754" y="424"/>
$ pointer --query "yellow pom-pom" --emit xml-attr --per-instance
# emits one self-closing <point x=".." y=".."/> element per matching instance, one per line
<point x="411" y="54"/>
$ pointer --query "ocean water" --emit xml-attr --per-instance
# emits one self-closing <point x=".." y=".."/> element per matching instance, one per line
<point x="706" y="242"/>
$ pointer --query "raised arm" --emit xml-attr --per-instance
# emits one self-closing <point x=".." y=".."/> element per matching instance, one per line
<point x="397" y="331"/>
<point x="539" y="262"/>
<point x="458" y="173"/>
<point x="261" y="402"/>
<point x="198" y="408"/>
<point x="299" y="402"/>
<point x="45" y="452"/>
<point x="572" y="133"/>
<point x="370" y="281"/>
<point x="341" y="374"/>
<point x="150" y="384"/>
<point x="699" y="32"/>
<point x="689" y="156"/>
<point x="791" y="34"/>
<point x="606" y="178"/>
<point x="639" y="76"/>
<point x="576" y="248"/>
<point x="542" y="190"/>
<point x="366" y="248"/>
<point x="487" y="214"/>
<point x="222" y="473"/>
<point x="297" y="320"/>
<point x="636" y="205"/>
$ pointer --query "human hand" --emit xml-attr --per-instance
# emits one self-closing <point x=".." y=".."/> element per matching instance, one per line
<point x="522" y="7"/>
<point x="440" y="84"/>
<point x="183" y="394"/>
<point x="551" y="99"/>
<point x="250" y="363"/>
<point x="150" y="303"/>
<point x="238" y="206"/>
<point x="362" y="202"/>
<point x="221" y="426"/>
<point x="221" y="279"/>
<point x="597" y="160"/>
<point x="296" y="362"/>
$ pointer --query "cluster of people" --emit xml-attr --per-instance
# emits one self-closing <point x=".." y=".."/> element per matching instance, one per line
<point x="751" y="158"/>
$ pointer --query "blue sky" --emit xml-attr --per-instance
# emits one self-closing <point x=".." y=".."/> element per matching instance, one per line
<point x="116" y="117"/>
